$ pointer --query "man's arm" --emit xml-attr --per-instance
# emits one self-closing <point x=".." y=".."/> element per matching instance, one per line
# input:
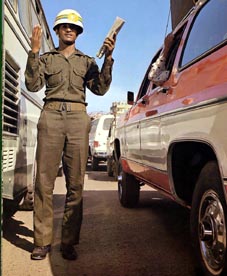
<point x="99" y="82"/>
<point x="34" y="77"/>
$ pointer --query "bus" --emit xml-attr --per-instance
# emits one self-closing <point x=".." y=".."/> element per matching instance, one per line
<point x="20" y="109"/>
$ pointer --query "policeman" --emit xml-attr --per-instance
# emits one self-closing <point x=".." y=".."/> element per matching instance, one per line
<point x="63" y="126"/>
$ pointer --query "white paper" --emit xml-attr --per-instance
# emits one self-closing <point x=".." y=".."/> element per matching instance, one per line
<point x="118" y="23"/>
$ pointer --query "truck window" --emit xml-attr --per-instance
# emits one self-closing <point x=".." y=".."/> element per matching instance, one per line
<point x="173" y="51"/>
<point x="208" y="31"/>
<point x="146" y="82"/>
<point x="106" y="123"/>
<point x="147" y="85"/>
<point x="94" y="126"/>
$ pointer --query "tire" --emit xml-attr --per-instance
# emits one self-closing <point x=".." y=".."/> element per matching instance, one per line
<point x="128" y="188"/>
<point x="115" y="170"/>
<point x="110" y="166"/>
<point x="27" y="203"/>
<point x="10" y="207"/>
<point x="94" y="163"/>
<point x="208" y="221"/>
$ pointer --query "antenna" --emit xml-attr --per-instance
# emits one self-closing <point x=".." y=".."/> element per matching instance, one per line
<point x="167" y="24"/>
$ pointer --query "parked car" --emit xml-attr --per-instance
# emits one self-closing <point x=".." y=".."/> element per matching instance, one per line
<point x="117" y="109"/>
<point x="98" y="139"/>
<point x="174" y="137"/>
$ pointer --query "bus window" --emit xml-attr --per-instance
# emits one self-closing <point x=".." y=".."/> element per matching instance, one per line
<point x="35" y="20"/>
<point x="14" y="4"/>
<point x="24" y="14"/>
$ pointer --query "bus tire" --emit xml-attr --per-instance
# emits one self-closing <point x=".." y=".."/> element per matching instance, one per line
<point x="11" y="206"/>
<point x="27" y="203"/>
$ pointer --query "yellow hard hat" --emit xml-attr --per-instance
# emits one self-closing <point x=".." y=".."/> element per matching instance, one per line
<point x="70" y="17"/>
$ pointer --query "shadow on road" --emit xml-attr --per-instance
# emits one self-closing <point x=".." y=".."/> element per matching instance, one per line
<point x="13" y="230"/>
<point x="150" y="240"/>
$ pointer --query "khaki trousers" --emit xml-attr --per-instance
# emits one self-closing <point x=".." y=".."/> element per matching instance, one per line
<point x="62" y="136"/>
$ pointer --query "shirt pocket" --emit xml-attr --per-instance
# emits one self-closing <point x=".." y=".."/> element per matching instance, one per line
<point x="53" y="76"/>
<point x="78" y="78"/>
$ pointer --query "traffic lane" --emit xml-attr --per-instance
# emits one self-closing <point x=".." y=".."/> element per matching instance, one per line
<point x="150" y="240"/>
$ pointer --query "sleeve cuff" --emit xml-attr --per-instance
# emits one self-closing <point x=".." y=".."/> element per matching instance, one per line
<point x="108" y="62"/>
<point x="33" y="55"/>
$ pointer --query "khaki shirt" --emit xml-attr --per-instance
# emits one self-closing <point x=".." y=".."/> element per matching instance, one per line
<point x="67" y="78"/>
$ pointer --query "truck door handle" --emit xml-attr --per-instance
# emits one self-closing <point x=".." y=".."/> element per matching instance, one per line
<point x="144" y="101"/>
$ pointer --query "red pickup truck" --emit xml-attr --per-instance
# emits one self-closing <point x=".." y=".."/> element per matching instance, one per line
<point x="174" y="137"/>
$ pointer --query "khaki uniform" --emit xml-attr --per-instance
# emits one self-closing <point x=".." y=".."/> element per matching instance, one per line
<point x="63" y="130"/>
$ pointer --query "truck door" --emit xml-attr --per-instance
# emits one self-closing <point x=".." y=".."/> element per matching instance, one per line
<point x="132" y="125"/>
<point x="152" y="146"/>
<point x="132" y="134"/>
<point x="150" y="142"/>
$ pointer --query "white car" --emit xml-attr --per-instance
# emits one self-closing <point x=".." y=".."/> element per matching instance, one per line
<point x="98" y="139"/>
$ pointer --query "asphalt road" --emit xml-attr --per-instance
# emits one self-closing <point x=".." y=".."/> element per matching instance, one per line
<point x="150" y="240"/>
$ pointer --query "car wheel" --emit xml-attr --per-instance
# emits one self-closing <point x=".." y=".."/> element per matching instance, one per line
<point x="208" y="221"/>
<point x="109" y="166"/>
<point x="128" y="188"/>
<point x="27" y="203"/>
<point x="115" y="170"/>
<point x="94" y="163"/>
<point x="10" y="207"/>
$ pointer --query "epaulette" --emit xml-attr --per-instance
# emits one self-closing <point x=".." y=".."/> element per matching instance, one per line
<point x="81" y="53"/>
<point x="48" y="53"/>
<point x="90" y="57"/>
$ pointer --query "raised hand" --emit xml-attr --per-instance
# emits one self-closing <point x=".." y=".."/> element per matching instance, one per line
<point x="109" y="43"/>
<point x="36" y="38"/>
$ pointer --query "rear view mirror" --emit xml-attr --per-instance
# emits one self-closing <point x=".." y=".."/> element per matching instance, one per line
<point x="130" y="98"/>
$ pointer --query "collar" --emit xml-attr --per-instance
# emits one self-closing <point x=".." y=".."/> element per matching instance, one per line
<point x="77" y="52"/>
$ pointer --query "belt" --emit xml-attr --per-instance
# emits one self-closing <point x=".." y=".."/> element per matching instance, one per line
<point x="64" y="106"/>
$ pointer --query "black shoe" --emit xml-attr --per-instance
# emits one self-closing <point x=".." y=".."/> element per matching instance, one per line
<point x="68" y="252"/>
<point x="40" y="252"/>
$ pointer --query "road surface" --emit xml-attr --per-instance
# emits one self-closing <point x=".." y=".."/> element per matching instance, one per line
<point x="150" y="240"/>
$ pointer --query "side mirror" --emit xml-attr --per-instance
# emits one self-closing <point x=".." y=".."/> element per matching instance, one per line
<point x="130" y="98"/>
